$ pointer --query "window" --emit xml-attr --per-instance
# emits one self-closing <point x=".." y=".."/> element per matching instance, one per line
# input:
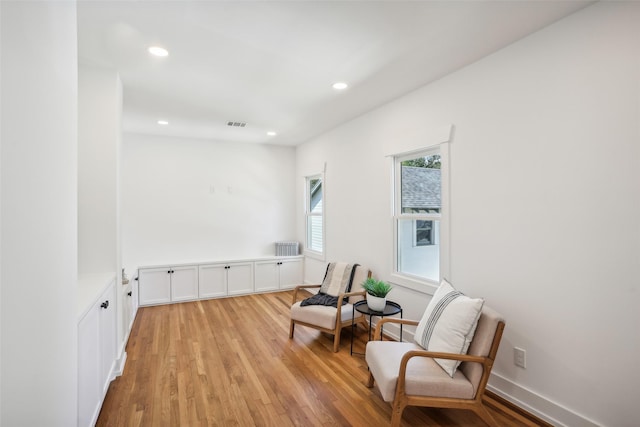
<point x="424" y="233"/>
<point x="314" y="214"/>
<point x="417" y="215"/>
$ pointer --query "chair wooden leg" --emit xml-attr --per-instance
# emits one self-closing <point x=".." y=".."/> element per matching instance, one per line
<point x="371" y="380"/>
<point x="336" y="340"/>
<point x="291" y="327"/>
<point x="366" y="325"/>
<point x="396" y="412"/>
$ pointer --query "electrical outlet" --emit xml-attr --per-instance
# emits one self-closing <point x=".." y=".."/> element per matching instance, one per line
<point x="520" y="357"/>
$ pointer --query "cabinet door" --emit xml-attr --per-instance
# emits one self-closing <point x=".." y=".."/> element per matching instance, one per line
<point x="290" y="273"/>
<point x="154" y="286"/>
<point x="88" y="372"/>
<point x="240" y="278"/>
<point x="184" y="283"/>
<point x="266" y="276"/>
<point x="107" y="335"/>
<point x="127" y="309"/>
<point x="212" y="281"/>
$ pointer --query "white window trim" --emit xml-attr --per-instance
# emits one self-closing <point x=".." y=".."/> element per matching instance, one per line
<point x="421" y="284"/>
<point x="312" y="253"/>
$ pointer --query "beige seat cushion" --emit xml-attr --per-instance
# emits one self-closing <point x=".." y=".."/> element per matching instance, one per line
<point x="424" y="376"/>
<point x="321" y="315"/>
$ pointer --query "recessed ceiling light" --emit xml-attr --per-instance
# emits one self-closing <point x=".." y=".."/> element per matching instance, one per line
<point x="271" y="133"/>
<point x="158" y="51"/>
<point x="163" y="122"/>
<point x="340" y="85"/>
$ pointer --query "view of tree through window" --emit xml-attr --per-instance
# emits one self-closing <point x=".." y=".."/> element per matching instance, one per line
<point x="424" y="162"/>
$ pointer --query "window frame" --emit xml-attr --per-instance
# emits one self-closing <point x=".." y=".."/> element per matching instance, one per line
<point x="422" y="284"/>
<point x="319" y="254"/>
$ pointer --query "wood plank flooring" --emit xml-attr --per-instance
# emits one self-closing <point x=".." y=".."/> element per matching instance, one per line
<point x="230" y="362"/>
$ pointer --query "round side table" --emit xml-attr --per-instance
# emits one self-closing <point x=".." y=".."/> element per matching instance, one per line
<point x="390" y="309"/>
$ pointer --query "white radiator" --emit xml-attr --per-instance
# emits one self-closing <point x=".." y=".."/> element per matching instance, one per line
<point x="287" y="248"/>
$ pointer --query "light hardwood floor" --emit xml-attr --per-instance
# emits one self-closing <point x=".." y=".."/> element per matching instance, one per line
<point x="230" y="362"/>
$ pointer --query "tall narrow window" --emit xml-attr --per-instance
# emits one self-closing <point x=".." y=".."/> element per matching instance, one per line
<point x="314" y="214"/>
<point x="418" y="191"/>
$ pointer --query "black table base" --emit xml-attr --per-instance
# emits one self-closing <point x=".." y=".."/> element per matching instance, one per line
<point x="392" y="308"/>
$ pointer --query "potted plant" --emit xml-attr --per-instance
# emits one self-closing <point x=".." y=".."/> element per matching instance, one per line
<point x="377" y="291"/>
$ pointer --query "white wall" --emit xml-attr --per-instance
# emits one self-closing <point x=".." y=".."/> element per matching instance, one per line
<point x="189" y="200"/>
<point x="99" y="135"/>
<point x="99" y="144"/>
<point x="1" y="137"/>
<point x="39" y="221"/>
<point x="545" y="200"/>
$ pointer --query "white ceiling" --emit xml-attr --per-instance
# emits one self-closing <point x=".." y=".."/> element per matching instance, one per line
<point x="271" y="64"/>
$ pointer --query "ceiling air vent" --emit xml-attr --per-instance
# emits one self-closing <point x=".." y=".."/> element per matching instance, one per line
<point x="237" y="124"/>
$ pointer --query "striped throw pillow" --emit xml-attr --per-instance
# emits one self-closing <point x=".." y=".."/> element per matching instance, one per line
<point x="337" y="279"/>
<point x="448" y="324"/>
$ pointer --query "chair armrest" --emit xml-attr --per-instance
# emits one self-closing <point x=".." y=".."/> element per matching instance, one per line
<point x="352" y="294"/>
<point x="297" y="288"/>
<point x="341" y="297"/>
<point x="378" y="331"/>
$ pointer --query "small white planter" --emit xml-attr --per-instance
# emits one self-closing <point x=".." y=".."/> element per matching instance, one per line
<point x="376" y="303"/>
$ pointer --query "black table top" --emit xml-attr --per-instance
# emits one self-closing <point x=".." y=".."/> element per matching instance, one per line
<point x="390" y="309"/>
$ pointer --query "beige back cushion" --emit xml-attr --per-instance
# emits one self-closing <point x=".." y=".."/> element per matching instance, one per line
<point x="337" y="279"/>
<point x="481" y="344"/>
<point x="361" y="275"/>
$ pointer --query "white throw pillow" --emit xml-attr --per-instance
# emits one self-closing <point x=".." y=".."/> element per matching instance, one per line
<point x="448" y="324"/>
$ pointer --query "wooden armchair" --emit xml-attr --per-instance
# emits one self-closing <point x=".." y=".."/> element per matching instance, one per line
<point x="326" y="318"/>
<point x="407" y="375"/>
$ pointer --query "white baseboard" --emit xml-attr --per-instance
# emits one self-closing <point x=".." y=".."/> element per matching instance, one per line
<point x="524" y="398"/>
<point x="120" y="362"/>
<point x="543" y="408"/>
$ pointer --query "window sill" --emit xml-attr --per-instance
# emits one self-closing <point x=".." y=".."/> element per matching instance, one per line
<point x="424" y="286"/>
<point x="315" y="255"/>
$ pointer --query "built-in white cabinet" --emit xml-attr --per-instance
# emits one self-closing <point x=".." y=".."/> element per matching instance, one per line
<point x="88" y="368"/>
<point x="267" y="276"/>
<point x="277" y="274"/>
<point x="184" y="283"/>
<point x="167" y="284"/>
<point x="154" y="285"/>
<point x="128" y="309"/>
<point x="97" y="342"/>
<point x="213" y="280"/>
<point x="291" y="273"/>
<point x="108" y="336"/>
<point x="222" y="279"/>
<point x="239" y="278"/>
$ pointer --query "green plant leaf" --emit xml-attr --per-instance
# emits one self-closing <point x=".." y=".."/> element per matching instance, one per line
<point x="377" y="288"/>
